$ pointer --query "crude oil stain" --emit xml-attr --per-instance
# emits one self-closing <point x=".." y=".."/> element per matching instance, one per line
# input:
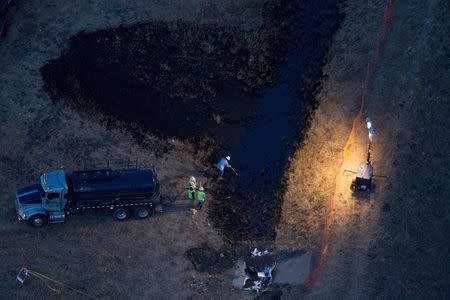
<point x="250" y="206"/>
<point x="244" y="92"/>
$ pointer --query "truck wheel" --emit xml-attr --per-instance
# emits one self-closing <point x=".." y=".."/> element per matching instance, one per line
<point x="121" y="214"/>
<point x="142" y="212"/>
<point x="38" y="220"/>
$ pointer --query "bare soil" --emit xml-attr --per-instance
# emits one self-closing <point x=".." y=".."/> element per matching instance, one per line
<point x="106" y="259"/>
<point x="204" y="84"/>
<point x="392" y="243"/>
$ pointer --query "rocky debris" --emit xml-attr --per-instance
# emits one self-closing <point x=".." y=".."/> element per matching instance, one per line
<point x="251" y="278"/>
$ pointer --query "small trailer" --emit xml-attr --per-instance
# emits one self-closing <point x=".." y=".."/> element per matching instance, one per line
<point x="116" y="192"/>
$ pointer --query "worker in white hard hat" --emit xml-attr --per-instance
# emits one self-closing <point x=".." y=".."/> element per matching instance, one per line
<point x="192" y="181"/>
<point x="223" y="163"/>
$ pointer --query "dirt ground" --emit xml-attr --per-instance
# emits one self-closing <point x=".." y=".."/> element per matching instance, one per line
<point x="204" y="84"/>
<point x="392" y="244"/>
<point x="94" y="253"/>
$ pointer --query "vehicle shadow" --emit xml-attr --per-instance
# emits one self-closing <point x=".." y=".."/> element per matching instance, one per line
<point x="176" y="208"/>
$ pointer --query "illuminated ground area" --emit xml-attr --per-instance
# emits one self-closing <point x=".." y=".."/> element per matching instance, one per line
<point x="386" y="244"/>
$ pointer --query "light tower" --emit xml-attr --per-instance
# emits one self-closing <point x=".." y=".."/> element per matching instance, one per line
<point x="363" y="179"/>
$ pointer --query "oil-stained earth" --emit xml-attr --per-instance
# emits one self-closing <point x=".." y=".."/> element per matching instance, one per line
<point x="200" y="83"/>
<point x="175" y="79"/>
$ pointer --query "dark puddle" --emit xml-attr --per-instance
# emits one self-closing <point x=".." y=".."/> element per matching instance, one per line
<point x="262" y="154"/>
<point x="218" y="86"/>
<point x="174" y="79"/>
<point x="253" y="199"/>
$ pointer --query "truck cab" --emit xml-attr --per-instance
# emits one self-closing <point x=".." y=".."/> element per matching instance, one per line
<point x="45" y="201"/>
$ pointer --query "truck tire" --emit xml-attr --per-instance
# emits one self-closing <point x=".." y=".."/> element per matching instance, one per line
<point x="38" y="221"/>
<point x="142" y="212"/>
<point x="121" y="214"/>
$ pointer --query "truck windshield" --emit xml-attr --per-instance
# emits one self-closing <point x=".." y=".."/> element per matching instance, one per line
<point x="41" y="191"/>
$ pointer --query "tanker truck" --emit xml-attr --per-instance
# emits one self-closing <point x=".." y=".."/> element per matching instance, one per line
<point x="120" y="193"/>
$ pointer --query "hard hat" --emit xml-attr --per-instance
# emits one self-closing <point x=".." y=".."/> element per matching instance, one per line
<point x="228" y="158"/>
<point x="201" y="189"/>
<point x="192" y="178"/>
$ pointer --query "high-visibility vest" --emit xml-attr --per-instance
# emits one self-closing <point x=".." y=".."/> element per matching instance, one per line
<point x="200" y="196"/>
<point x="191" y="192"/>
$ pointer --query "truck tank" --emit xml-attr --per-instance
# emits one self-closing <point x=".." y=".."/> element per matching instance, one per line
<point x="109" y="186"/>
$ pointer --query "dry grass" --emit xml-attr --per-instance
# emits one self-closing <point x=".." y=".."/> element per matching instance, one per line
<point x="313" y="168"/>
<point x="375" y="252"/>
<point x="108" y="259"/>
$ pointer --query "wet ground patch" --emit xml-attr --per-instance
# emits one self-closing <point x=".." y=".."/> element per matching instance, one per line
<point x="228" y="90"/>
<point x="206" y="258"/>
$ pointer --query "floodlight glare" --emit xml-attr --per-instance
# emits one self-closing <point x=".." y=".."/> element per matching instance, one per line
<point x="369" y="123"/>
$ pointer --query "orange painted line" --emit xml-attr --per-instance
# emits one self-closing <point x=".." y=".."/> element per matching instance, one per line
<point x="371" y="67"/>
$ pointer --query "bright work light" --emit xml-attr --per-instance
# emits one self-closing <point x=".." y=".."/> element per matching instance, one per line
<point x="371" y="130"/>
<point x="369" y="123"/>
